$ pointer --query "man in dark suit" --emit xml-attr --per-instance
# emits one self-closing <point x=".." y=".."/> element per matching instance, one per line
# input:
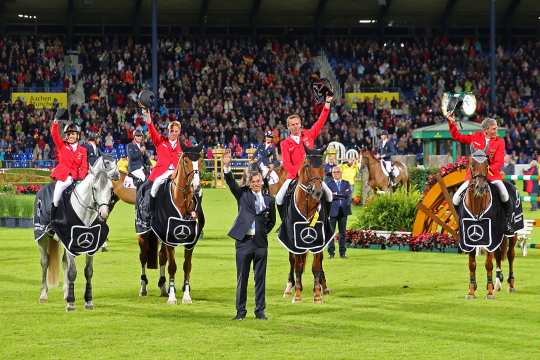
<point x="138" y="161"/>
<point x="256" y="218"/>
<point x="341" y="208"/>
<point x="92" y="147"/>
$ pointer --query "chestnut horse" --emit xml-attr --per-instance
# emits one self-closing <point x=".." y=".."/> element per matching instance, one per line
<point x="478" y="198"/>
<point x="377" y="179"/>
<point x="184" y="190"/>
<point x="307" y="194"/>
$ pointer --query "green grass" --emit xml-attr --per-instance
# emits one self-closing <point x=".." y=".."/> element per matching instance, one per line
<point x="384" y="304"/>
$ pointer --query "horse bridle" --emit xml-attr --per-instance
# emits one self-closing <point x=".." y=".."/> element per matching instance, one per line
<point x="189" y="180"/>
<point x="94" y="201"/>
<point x="309" y="189"/>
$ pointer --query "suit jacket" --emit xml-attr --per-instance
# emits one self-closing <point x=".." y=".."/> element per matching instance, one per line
<point x="387" y="150"/>
<point x="293" y="154"/>
<point x="247" y="214"/>
<point x="136" y="158"/>
<point x="70" y="162"/>
<point x="166" y="155"/>
<point x="266" y="155"/>
<point x="495" y="151"/>
<point x="91" y="154"/>
<point x="342" y="197"/>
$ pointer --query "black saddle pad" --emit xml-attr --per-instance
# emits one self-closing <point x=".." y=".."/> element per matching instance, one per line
<point x="77" y="237"/>
<point x="485" y="230"/>
<point x="300" y="235"/>
<point x="170" y="225"/>
<point x="42" y="209"/>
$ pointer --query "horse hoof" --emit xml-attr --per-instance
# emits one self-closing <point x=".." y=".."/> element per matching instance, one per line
<point x="317" y="301"/>
<point x="186" y="301"/>
<point x="512" y="290"/>
<point x="43" y="300"/>
<point x="470" y="297"/>
<point x="286" y="294"/>
<point x="296" y="300"/>
<point x="498" y="285"/>
<point x="164" y="292"/>
<point x="143" y="292"/>
<point x="171" y="301"/>
<point x="326" y="291"/>
<point x="490" y="297"/>
<point x="89" y="306"/>
<point x="70" y="307"/>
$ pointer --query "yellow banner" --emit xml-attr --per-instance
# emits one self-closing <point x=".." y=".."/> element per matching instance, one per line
<point x="41" y="100"/>
<point x="354" y="97"/>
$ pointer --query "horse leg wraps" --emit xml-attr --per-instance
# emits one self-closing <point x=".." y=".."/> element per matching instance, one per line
<point x="280" y="196"/>
<point x="59" y="189"/>
<point x="457" y="195"/>
<point x="159" y="180"/>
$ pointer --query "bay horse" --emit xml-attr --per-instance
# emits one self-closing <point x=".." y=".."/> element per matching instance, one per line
<point x="377" y="178"/>
<point x="478" y="198"/>
<point x="307" y="195"/>
<point x="184" y="189"/>
<point x="90" y="199"/>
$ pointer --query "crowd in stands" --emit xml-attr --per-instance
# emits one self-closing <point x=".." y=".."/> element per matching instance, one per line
<point x="230" y="91"/>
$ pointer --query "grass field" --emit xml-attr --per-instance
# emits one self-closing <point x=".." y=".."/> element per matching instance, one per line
<point x="384" y="304"/>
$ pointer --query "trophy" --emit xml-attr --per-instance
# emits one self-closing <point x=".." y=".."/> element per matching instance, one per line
<point x="321" y="89"/>
<point x="450" y="102"/>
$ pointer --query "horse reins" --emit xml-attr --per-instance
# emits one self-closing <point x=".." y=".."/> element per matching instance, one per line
<point x="189" y="179"/>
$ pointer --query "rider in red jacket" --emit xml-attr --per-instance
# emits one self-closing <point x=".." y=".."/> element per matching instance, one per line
<point x="168" y="150"/>
<point x="72" y="159"/>
<point x="292" y="148"/>
<point x="480" y="140"/>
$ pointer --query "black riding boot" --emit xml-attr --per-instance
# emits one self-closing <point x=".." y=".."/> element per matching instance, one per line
<point x="151" y="208"/>
<point x="508" y="218"/>
<point x="280" y="211"/>
<point x="54" y="209"/>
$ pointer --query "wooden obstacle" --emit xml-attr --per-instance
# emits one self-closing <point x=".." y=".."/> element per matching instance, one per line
<point x="435" y="213"/>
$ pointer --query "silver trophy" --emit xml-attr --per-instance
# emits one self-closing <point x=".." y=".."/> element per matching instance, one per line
<point x="451" y="102"/>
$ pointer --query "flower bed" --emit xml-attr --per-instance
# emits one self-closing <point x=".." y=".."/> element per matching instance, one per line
<point x="27" y="189"/>
<point x="422" y="242"/>
<point x="460" y="164"/>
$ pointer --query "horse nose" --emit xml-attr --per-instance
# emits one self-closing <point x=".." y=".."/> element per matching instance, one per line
<point x="104" y="212"/>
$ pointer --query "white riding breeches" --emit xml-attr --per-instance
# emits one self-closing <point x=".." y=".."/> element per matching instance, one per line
<point x="498" y="183"/>
<point x="59" y="189"/>
<point x="273" y="178"/>
<point x="160" y="180"/>
<point x="280" y="196"/>
<point x="139" y="173"/>
<point x="387" y="166"/>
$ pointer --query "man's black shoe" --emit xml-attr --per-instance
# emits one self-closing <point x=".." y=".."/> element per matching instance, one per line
<point x="261" y="316"/>
<point x="239" y="317"/>
<point x="343" y="256"/>
<point x="331" y="256"/>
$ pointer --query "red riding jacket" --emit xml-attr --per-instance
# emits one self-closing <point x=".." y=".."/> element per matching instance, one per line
<point x="70" y="162"/>
<point x="495" y="151"/>
<point x="293" y="154"/>
<point x="166" y="155"/>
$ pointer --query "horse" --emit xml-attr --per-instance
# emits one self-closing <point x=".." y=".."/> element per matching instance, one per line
<point x="478" y="200"/>
<point x="184" y="190"/>
<point x="90" y="200"/>
<point x="378" y="180"/>
<point x="307" y="197"/>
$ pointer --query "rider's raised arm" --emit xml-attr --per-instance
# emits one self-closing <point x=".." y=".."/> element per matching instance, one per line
<point x="319" y="124"/>
<point x="155" y="136"/>
<point x="462" y="138"/>
<point x="287" y="161"/>
<point x="55" y="133"/>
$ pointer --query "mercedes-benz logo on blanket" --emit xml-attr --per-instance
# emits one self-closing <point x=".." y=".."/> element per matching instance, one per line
<point x="85" y="240"/>
<point x="475" y="233"/>
<point x="308" y="235"/>
<point x="181" y="232"/>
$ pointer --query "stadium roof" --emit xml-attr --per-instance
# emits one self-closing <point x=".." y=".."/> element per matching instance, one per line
<point x="274" y="13"/>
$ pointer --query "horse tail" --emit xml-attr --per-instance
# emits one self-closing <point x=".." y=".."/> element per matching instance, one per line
<point x="152" y="259"/>
<point x="53" y="270"/>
